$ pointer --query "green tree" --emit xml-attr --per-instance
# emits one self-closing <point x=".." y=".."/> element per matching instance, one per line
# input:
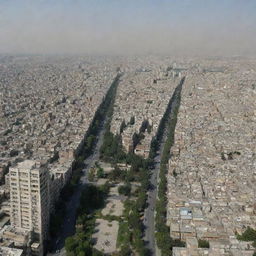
<point x="100" y="173"/>
<point x="125" y="250"/>
<point x="81" y="253"/>
<point x="70" y="244"/>
<point x="203" y="243"/>
<point x="248" y="235"/>
<point x="125" y="189"/>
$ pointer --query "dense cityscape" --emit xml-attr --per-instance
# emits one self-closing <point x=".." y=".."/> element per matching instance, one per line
<point x="127" y="128"/>
<point x="127" y="156"/>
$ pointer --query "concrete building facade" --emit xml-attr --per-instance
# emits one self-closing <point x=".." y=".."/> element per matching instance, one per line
<point x="29" y="198"/>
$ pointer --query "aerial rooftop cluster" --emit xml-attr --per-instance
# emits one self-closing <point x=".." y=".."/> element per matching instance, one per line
<point x="47" y="105"/>
<point x="212" y="175"/>
<point x="141" y="100"/>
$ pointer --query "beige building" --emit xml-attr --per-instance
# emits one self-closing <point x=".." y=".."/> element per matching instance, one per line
<point x="29" y="198"/>
<point x="5" y="251"/>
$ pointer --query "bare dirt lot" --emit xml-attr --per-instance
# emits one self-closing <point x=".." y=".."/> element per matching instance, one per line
<point x="106" y="235"/>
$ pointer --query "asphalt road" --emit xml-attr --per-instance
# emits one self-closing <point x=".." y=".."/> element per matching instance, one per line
<point x="68" y="228"/>
<point x="149" y="214"/>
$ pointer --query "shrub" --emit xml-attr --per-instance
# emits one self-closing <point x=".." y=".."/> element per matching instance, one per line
<point x="203" y="243"/>
<point x="248" y="235"/>
<point x="100" y="173"/>
<point x="125" y="189"/>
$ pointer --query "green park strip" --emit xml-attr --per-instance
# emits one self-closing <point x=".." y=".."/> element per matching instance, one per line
<point x="162" y="231"/>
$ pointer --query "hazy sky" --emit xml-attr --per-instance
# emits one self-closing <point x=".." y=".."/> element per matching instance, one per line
<point x="175" y="27"/>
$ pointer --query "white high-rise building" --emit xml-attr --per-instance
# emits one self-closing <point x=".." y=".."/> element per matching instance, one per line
<point x="30" y="199"/>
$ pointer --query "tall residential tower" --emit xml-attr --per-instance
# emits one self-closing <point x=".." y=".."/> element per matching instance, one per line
<point x="30" y="200"/>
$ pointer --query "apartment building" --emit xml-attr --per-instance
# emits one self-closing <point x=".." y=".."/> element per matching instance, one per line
<point x="29" y="198"/>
